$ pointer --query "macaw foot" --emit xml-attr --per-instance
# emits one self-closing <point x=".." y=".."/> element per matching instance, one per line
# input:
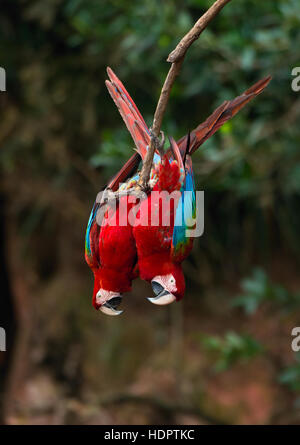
<point x="109" y="302"/>
<point x="162" y="296"/>
<point x="159" y="143"/>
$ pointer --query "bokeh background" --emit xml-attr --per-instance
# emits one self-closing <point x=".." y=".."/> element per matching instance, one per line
<point x="223" y="355"/>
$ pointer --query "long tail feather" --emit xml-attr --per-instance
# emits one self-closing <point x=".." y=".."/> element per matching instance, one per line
<point x="114" y="79"/>
<point x="197" y="137"/>
<point x="129" y="112"/>
<point x="176" y="153"/>
<point x="221" y="115"/>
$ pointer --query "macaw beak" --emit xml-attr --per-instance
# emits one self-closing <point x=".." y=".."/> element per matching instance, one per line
<point x="110" y="306"/>
<point x="162" y="295"/>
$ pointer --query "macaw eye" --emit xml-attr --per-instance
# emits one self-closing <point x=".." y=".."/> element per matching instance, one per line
<point x="172" y="280"/>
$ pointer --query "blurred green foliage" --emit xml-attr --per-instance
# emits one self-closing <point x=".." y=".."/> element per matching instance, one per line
<point x="258" y="289"/>
<point x="232" y="348"/>
<point x="55" y="54"/>
<point x="291" y="375"/>
<point x="62" y="138"/>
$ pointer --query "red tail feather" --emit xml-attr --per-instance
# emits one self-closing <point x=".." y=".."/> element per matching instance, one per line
<point x="221" y="115"/>
<point x="140" y="133"/>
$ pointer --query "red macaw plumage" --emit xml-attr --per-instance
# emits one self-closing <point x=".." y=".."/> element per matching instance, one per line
<point x="110" y="249"/>
<point x="113" y="251"/>
<point x="162" y="244"/>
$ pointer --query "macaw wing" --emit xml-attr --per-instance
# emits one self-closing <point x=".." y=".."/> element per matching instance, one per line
<point x="128" y="170"/>
<point x="221" y="115"/>
<point x="129" y="112"/>
<point x="185" y="216"/>
<point x="93" y="228"/>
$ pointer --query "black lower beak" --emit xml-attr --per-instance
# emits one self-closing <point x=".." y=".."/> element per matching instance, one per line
<point x="113" y="303"/>
<point x="162" y="295"/>
<point x="158" y="289"/>
<point x="110" y="307"/>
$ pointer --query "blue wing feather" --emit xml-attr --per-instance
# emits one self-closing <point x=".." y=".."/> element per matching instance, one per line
<point x="185" y="216"/>
<point x="90" y="248"/>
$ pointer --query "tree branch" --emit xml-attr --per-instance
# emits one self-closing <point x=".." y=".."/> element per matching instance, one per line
<point x="163" y="406"/>
<point x="176" y="58"/>
<point x="184" y="44"/>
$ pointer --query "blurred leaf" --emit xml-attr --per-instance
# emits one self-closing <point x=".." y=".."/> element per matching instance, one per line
<point x="259" y="289"/>
<point x="291" y="375"/>
<point x="231" y="349"/>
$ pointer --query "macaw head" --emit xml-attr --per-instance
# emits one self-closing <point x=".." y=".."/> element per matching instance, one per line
<point x="108" y="288"/>
<point x="169" y="287"/>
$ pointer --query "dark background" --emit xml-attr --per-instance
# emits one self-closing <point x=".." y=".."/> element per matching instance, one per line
<point x="223" y="355"/>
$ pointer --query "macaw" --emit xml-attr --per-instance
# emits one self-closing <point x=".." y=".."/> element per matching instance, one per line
<point x="162" y="243"/>
<point x="111" y="254"/>
<point x="110" y="249"/>
<point x="116" y="254"/>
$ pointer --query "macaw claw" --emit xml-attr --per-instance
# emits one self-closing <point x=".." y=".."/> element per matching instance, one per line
<point x="162" y="297"/>
<point x="110" y="306"/>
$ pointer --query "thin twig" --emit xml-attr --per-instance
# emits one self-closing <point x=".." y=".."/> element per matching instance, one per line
<point x="176" y="58"/>
<point x="182" y="47"/>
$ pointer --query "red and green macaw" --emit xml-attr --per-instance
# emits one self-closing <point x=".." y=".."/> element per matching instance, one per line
<point x="118" y="253"/>
<point x="162" y="244"/>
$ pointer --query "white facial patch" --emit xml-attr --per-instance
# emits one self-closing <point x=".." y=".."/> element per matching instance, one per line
<point x="104" y="295"/>
<point x="167" y="281"/>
